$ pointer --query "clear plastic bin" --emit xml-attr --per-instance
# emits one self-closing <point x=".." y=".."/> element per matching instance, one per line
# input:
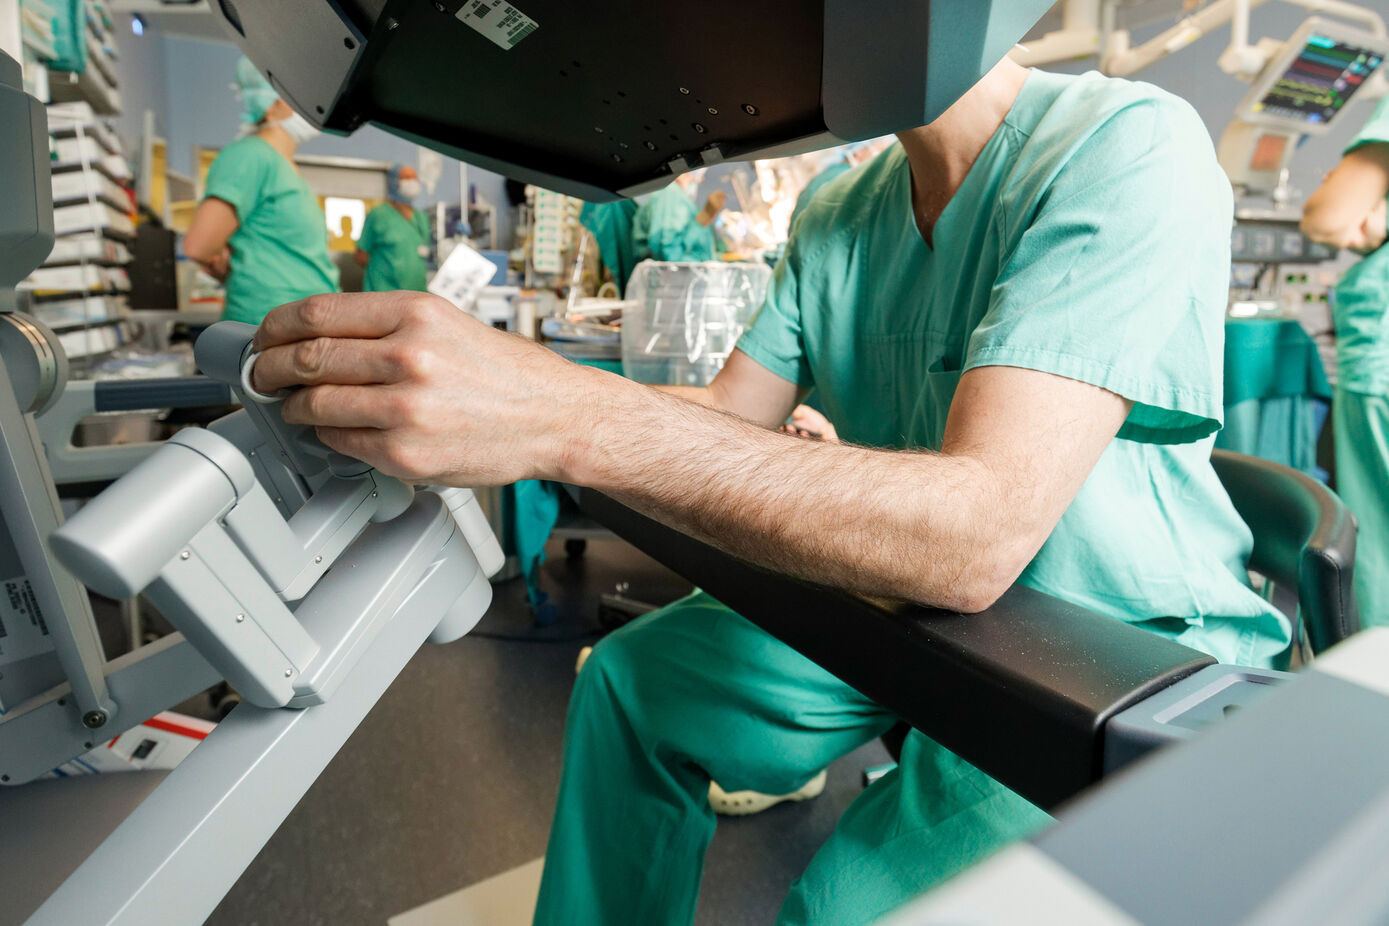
<point x="687" y="318"/>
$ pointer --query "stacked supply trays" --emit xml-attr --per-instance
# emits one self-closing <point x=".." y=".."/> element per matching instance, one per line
<point x="80" y="291"/>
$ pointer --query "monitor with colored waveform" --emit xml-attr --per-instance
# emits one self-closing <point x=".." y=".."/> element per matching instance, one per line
<point x="1319" y="72"/>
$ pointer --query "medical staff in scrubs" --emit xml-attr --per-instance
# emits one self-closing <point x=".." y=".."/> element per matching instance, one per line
<point x="1029" y="265"/>
<point x="259" y="228"/>
<point x="611" y="225"/>
<point x="1027" y="296"/>
<point x="670" y="226"/>
<point x="394" y="242"/>
<point x="1348" y="210"/>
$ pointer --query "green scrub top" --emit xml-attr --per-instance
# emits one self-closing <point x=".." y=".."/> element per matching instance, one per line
<point x="1090" y="241"/>
<point x="819" y="180"/>
<point x="396" y="248"/>
<point x="279" y="251"/>
<point x="665" y="229"/>
<point x="1362" y="298"/>
<point x="611" y="226"/>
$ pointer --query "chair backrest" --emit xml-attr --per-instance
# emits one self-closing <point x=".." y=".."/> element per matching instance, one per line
<point x="1304" y="538"/>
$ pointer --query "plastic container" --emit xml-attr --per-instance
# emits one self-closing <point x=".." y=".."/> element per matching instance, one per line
<point x="688" y="318"/>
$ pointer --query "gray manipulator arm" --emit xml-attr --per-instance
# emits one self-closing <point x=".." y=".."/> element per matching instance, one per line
<point x="195" y="530"/>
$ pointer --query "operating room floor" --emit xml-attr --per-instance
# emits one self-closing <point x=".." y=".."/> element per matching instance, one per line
<point x="451" y="779"/>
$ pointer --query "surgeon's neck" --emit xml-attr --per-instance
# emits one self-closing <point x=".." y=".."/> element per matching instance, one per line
<point x="941" y="154"/>
<point x="279" y="139"/>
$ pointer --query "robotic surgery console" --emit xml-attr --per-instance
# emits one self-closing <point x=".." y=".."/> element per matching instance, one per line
<point x="530" y="89"/>
<point x="249" y="588"/>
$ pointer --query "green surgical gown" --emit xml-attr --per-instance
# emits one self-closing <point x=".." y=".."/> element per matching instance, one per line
<point x="279" y="251"/>
<point x="396" y="249"/>
<point x="611" y="226"/>
<point x="1361" y="314"/>
<point x="811" y="188"/>
<point x="665" y="229"/>
<point x="1090" y="240"/>
<point x="1069" y="274"/>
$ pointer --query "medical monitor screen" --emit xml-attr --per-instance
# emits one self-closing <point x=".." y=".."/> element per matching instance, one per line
<point x="1316" y="85"/>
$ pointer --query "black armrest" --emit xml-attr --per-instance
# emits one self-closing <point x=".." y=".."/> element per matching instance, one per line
<point x="1022" y="690"/>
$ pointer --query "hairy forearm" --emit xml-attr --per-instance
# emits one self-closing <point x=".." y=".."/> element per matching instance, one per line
<point x="700" y="395"/>
<point x="917" y="526"/>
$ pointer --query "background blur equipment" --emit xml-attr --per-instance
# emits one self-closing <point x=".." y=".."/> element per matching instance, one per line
<point x="687" y="318"/>
<point x="1304" y="90"/>
<point x="545" y="107"/>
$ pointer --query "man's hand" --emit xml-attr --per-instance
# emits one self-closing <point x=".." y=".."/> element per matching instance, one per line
<point x="422" y="391"/>
<point x="218" y="266"/>
<point x="807" y="422"/>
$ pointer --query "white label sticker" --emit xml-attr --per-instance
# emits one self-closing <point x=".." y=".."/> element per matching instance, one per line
<point x="23" y="631"/>
<point x="498" y="20"/>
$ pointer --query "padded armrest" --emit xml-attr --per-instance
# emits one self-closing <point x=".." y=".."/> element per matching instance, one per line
<point x="1022" y="690"/>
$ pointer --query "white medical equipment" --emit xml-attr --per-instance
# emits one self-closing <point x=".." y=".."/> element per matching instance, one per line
<point x="305" y="578"/>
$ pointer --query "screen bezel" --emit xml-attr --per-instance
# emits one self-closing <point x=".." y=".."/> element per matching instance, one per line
<point x="1292" y="49"/>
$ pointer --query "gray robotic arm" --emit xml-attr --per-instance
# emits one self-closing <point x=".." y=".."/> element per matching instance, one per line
<point x="194" y="529"/>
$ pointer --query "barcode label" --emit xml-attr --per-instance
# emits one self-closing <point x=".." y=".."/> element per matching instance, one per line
<point x="23" y="630"/>
<point x="505" y="29"/>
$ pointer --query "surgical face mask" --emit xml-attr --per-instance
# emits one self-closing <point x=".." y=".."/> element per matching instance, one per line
<point x="408" y="190"/>
<point x="298" y="128"/>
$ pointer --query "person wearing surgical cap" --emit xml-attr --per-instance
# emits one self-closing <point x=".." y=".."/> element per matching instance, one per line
<point x="1348" y="211"/>
<point x="394" y="243"/>
<point x="259" y="228"/>
<point x="671" y="226"/>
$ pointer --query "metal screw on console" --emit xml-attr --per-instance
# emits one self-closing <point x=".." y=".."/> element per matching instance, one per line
<point x="93" y="720"/>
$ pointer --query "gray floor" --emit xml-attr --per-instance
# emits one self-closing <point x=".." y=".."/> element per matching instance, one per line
<point x="452" y="777"/>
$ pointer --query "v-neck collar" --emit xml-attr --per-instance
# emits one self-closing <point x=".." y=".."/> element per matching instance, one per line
<point x="971" y="176"/>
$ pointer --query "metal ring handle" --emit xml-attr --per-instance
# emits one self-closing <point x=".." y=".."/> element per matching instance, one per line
<point x="249" y="391"/>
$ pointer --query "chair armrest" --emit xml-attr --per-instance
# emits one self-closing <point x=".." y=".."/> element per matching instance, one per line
<point x="1022" y="690"/>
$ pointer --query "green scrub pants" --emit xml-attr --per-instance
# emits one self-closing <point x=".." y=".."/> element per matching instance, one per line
<point x="1362" y="480"/>
<point x="694" y="691"/>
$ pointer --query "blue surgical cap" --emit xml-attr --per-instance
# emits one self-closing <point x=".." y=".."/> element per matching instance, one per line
<point x="254" y="91"/>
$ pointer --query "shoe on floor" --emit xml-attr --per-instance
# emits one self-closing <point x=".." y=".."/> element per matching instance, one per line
<point x="745" y="803"/>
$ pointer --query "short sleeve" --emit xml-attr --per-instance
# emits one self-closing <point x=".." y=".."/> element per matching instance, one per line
<point x="1375" y="131"/>
<point x="1120" y="276"/>
<point x="238" y="177"/>
<point x="773" y="339"/>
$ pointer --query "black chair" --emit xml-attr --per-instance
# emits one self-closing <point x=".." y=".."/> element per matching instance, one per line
<point x="1304" y="540"/>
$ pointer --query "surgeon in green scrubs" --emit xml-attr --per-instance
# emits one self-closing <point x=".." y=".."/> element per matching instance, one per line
<point x="1027" y="296"/>
<point x="394" y="243"/>
<point x="1348" y="211"/>
<point x="889" y="328"/>
<point x="670" y="226"/>
<point x="259" y="228"/>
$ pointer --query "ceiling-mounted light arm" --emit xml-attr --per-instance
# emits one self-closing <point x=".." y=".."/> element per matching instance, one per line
<point x="1240" y="58"/>
<point x="1080" y="36"/>
<point x="1089" y="29"/>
